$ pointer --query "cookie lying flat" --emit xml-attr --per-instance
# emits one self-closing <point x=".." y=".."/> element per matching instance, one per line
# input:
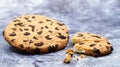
<point x="36" y="34"/>
<point x="91" y="44"/>
<point x="92" y="48"/>
<point x="84" y="36"/>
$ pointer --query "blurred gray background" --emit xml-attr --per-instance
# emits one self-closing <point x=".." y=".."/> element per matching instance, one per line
<point x="95" y="16"/>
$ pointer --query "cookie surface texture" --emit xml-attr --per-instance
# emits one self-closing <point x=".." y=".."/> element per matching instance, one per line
<point x="91" y="44"/>
<point x="36" y="34"/>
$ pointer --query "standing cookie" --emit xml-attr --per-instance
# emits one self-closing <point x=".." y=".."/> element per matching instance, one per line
<point x="36" y="34"/>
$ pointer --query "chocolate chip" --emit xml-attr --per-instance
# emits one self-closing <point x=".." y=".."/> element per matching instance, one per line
<point x="37" y="50"/>
<point x="16" y="20"/>
<point x="26" y="29"/>
<point x="63" y="29"/>
<point x="107" y="47"/>
<point x="91" y="45"/>
<point x="42" y="28"/>
<point x="3" y="33"/>
<point x="96" y="36"/>
<point x="13" y="29"/>
<point x="100" y="45"/>
<point x="66" y="32"/>
<point x="12" y="34"/>
<point x="61" y="36"/>
<point x="111" y="48"/>
<point x="48" y="20"/>
<point x="35" y="38"/>
<point x="21" y="45"/>
<point x="20" y="29"/>
<point x="81" y="43"/>
<point x="39" y="33"/>
<point x="30" y="41"/>
<point x="33" y="16"/>
<point x="80" y="35"/>
<point x="96" y="41"/>
<point x="25" y="40"/>
<point x="95" y="50"/>
<point x="19" y="24"/>
<point x="50" y="31"/>
<point x="39" y="44"/>
<point x="33" y="27"/>
<point x="12" y="40"/>
<point x="53" y="48"/>
<point x="60" y="24"/>
<point x="26" y="18"/>
<point x="47" y="37"/>
<point x="46" y="27"/>
<point x="56" y="28"/>
<point x="26" y="33"/>
<point x="108" y="43"/>
<point x="40" y="22"/>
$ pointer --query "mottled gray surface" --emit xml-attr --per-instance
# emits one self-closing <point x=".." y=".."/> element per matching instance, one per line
<point x="96" y="16"/>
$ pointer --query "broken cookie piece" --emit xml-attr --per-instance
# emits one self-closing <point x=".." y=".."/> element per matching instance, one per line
<point x="68" y="57"/>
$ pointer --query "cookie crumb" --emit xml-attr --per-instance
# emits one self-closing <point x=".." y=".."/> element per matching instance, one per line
<point x="68" y="57"/>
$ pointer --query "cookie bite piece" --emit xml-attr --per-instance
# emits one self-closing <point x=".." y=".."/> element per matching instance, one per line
<point x="91" y="44"/>
<point x="36" y="34"/>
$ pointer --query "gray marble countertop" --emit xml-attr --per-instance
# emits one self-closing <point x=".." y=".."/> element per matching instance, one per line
<point x="95" y="16"/>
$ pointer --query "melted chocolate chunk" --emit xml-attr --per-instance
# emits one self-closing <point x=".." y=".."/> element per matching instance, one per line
<point x="91" y="45"/>
<point x="25" y="40"/>
<point x="50" y="31"/>
<point x="16" y="20"/>
<point x="33" y="17"/>
<point x="96" y="36"/>
<point x="26" y="18"/>
<point x="61" y="36"/>
<point x="47" y="37"/>
<point x="80" y="35"/>
<point x="13" y="29"/>
<point x="26" y="33"/>
<point x="21" y="45"/>
<point x="3" y="33"/>
<point x="19" y="24"/>
<point x="20" y="29"/>
<point x="33" y="27"/>
<point x="39" y="44"/>
<point x="30" y="41"/>
<point x="56" y="28"/>
<point x="12" y="34"/>
<point x="26" y="29"/>
<point x="40" y="22"/>
<point x="66" y="32"/>
<point x="100" y="45"/>
<point x="42" y="28"/>
<point x="107" y="47"/>
<point x="36" y="50"/>
<point x="95" y="50"/>
<point x="60" y="24"/>
<point x="46" y="27"/>
<point x="12" y="40"/>
<point x="53" y="48"/>
<point x="48" y="20"/>
<point x="96" y="41"/>
<point x="108" y="43"/>
<point x="35" y="38"/>
<point x="81" y="43"/>
<point x="39" y="33"/>
<point x="111" y="48"/>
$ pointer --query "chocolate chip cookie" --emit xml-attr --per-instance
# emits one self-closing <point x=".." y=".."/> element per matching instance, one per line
<point x="91" y="44"/>
<point x="36" y="34"/>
